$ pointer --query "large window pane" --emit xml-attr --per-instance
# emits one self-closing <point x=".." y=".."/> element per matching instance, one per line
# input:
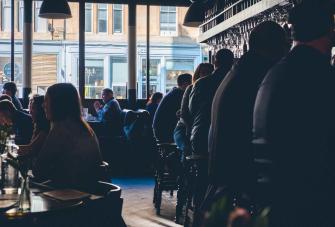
<point x="168" y="23"/>
<point x="102" y="17"/>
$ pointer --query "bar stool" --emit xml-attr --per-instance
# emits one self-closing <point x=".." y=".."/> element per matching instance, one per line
<point x="167" y="170"/>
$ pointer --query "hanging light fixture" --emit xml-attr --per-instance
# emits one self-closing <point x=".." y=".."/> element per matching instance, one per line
<point x="55" y="9"/>
<point x="195" y="14"/>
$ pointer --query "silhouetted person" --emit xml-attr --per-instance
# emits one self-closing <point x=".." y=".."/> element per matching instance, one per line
<point x="21" y="123"/>
<point x="294" y="117"/>
<point x="201" y="98"/>
<point x="109" y="113"/>
<point x="41" y="127"/>
<point x="153" y="103"/>
<point x="165" y="119"/>
<point x="230" y="140"/>
<point x="70" y="156"/>
<point x="183" y="129"/>
<point x="10" y="89"/>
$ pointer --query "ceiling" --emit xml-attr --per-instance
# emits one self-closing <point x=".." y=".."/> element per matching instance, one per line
<point x="143" y="2"/>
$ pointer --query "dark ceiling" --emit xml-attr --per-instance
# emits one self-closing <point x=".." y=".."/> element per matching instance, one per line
<point x="143" y="2"/>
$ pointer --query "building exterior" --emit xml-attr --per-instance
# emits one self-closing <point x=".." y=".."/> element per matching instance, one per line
<point x="173" y="48"/>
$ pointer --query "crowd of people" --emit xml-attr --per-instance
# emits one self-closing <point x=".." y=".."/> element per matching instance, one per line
<point x="272" y="106"/>
<point x="265" y="123"/>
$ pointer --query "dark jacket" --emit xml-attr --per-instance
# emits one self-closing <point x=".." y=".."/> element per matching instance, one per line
<point x="17" y="103"/>
<point x="165" y="119"/>
<point x="185" y="119"/>
<point x="295" y="117"/>
<point x="151" y="108"/>
<point x="200" y="106"/>
<point x="22" y="127"/>
<point x="230" y="150"/>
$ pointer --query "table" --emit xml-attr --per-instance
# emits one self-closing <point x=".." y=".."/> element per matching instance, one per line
<point x="47" y="211"/>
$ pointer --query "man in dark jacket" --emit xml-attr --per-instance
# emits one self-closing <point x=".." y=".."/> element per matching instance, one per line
<point x="201" y="97"/>
<point x="10" y="89"/>
<point x="295" y="117"/>
<point x="165" y="119"/>
<point x="230" y="147"/>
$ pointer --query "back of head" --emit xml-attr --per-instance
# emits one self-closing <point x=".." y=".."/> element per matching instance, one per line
<point x="156" y="97"/>
<point x="41" y="121"/>
<point x="224" y="58"/>
<point x="312" y="20"/>
<point x="203" y="69"/>
<point x="184" y="80"/>
<point x="5" y="97"/>
<point x="10" y="86"/>
<point x="269" y="38"/>
<point x="7" y="106"/>
<point x="64" y="102"/>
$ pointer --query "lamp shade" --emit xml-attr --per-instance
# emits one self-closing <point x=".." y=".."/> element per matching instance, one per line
<point x="195" y="15"/>
<point x="55" y="9"/>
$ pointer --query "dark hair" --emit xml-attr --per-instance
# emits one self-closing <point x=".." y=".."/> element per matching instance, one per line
<point x="155" y="97"/>
<point x="65" y="104"/>
<point x="5" y="97"/>
<point x="318" y="15"/>
<point x="41" y="122"/>
<point x="224" y="58"/>
<point x="202" y="67"/>
<point x="184" y="78"/>
<point x="108" y="90"/>
<point x="7" y="106"/>
<point x="269" y="37"/>
<point x="10" y="86"/>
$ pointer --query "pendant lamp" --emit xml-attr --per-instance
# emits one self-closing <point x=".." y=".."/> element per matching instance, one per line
<point x="55" y="9"/>
<point x="195" y="14"/>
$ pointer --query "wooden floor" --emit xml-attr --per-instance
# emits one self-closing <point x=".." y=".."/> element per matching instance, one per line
<point x="138" y="209"/>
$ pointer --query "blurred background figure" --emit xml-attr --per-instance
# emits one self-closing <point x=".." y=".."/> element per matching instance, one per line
<point x="153" y="103"/>
<point x="10" y="89"/>
<point x="21" y="123"/>
<point x="41" y="127"/>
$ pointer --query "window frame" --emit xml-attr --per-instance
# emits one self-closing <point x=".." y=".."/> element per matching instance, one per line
<point x="92" y="17"/>
<point x="36" y="9"/>
<point x="167" y="32"/>
<point x="98" y="9"/>
<point x="113" y="15"/>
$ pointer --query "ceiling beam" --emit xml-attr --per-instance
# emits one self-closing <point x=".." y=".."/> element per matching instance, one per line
<point x="143" y="2"/>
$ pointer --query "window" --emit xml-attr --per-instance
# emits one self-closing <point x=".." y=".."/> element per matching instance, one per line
<point x="117" y="18"/>
<point x="20" y="14"/>
<point x="175" y="67"/>
<point x="168" y="20"/>
<point x="155" y="80"/>
<point x="94" y="77"/>
<point x="102" y="18"/>
<point x="6" y="18"/>
<point x="40" y="23"/>
<point x="119" y="76"/>
<point x="88" y="17"/>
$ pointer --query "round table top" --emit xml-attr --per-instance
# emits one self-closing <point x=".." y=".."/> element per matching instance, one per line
<point x="40" y="204"/>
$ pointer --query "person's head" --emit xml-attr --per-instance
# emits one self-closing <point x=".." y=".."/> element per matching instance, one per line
<point x="313" y="25"/>
<point x="203" y="69"/>
<point x="107" y="94"/>
<point x="269" y="39"/>
<point x="156" y="98"/>
<point x="62" y="102"/>
<point x="5" y="97"/>
<point x="9" y="88"/>
<point x="37" y="113"/>
<point x="224" y="58"/>
<point x="7" y="110"/>
<point x="184" y="80"/>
